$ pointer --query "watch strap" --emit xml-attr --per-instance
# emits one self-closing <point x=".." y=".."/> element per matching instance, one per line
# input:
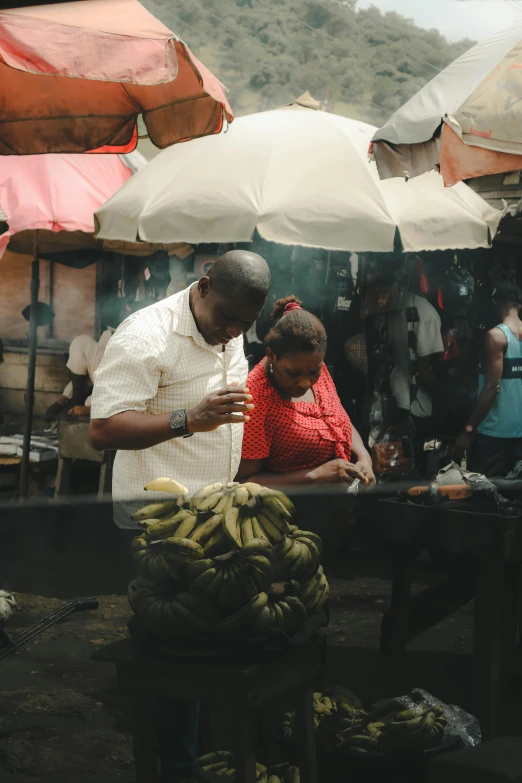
<point x="178" y="423"/>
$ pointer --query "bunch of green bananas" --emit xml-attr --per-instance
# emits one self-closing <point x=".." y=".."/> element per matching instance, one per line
<point x="164" y="561"/>
<point x="223" y="549"/>
<point x="219" y="766"/>
<point x="296" y="558"/>
<point x="286" y="613"/>
<point x="248" y="511"/>
<point x="228" y="582"/>
<point x="411" y="730"/>
<point x="218" y="498"/>
<point x="341" y="722"/>
<point x="267" y="515"/>
<point x="314" y="592"/>
<point x="337" y="715"/>
<point x="166" y="615"/>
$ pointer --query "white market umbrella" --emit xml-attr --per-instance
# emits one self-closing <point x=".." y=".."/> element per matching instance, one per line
<point x="300" y="177"/>
<point x="467" y="120"/>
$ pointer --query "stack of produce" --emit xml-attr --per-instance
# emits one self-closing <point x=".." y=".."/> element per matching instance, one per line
<point x="226" y="560"/>
<point x="219" y="766"/>
<point x="341" y="723"/>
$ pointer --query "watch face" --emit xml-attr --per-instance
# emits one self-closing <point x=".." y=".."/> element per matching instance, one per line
<point x="177" y="420"/>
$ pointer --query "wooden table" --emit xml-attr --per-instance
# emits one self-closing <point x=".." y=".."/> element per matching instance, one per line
<point x="492" y="547"/>
<point x="243" y="687"/>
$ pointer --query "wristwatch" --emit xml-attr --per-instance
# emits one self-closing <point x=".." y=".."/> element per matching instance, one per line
<point x="178" y="423"/>
<point x="469" y="429"/>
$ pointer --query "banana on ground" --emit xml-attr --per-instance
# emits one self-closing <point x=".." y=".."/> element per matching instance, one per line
<point x="220" y="766"/>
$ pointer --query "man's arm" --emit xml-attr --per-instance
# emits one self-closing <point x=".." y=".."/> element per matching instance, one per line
<point x="132" y="430"/>
<point x="493" y="362"/>
<point x="80" y="387"/>
<point x="494" y="348"/>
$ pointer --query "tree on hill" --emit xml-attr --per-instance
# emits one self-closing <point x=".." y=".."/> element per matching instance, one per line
<point x="365" y="63"/>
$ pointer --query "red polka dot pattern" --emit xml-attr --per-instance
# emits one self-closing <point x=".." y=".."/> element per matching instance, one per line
<point x="296" y="435"/>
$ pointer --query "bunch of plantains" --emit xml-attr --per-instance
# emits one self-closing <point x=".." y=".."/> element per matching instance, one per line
<point x="227" y="560"/>
<point x="218" y="767"/>
<point x="341" y="723"/>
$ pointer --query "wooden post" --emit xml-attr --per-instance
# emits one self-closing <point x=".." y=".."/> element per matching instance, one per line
<point x="305" y="734"/>
<point x="50" y="331"/>
<point x="31" y="372"/>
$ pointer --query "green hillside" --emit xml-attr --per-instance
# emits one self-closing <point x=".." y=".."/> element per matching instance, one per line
<point x="363" y="62"/>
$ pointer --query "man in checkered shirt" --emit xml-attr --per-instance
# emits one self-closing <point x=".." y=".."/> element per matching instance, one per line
<point x="174" y="370"/>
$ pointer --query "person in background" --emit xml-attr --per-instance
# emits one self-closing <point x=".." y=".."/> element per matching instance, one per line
<point x="299" y="432"/>
<point x="412" y="381"/>
<point x="85" y="354"/>
<point x="493" y="435"/>
<point x="414" y="335"/>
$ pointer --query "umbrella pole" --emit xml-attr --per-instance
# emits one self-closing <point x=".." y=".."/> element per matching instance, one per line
<point x="31" y="372"/>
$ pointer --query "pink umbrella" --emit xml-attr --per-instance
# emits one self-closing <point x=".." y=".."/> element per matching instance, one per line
<point x="48" y="203"/>
<point x="74" y="76"/>
<point x="51" y="194"/>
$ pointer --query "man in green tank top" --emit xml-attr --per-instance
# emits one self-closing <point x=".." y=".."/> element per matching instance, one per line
<point x="493" y="435"/>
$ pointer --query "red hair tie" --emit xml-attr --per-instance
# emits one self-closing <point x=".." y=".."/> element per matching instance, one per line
<point x="291" y="306"/>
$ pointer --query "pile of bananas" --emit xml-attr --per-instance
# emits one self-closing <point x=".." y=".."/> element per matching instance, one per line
<point x="341" y="723"/>
<point x="418" y="728"/>
<point x="218" y="767"/>
<point x="227" y="560"/>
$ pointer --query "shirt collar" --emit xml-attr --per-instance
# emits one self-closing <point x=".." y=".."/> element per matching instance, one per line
<point x="183" y="321"/>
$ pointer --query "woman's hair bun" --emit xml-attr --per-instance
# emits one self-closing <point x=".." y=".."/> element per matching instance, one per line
<point x="279" y="306"/>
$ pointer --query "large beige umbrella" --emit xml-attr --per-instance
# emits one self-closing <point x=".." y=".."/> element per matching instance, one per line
<point x="299" y="176"/>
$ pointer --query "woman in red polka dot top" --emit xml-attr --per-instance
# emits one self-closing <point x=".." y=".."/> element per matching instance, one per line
<point x="299" y="433"/>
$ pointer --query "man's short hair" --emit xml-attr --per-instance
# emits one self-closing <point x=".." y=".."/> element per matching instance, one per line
<point x="508" y="292"/>
<point x="241" y="270"/>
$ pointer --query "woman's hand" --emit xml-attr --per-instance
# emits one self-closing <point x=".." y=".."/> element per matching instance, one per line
<point x="366" y="468"/>
<point x="337" y="471"/>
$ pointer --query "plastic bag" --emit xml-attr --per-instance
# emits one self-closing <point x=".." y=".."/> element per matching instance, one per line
<point x="392" y="454"/>
<point x="516" y="473"/>
<point x="489" y="499"/>
<point x="460" y="724"/>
